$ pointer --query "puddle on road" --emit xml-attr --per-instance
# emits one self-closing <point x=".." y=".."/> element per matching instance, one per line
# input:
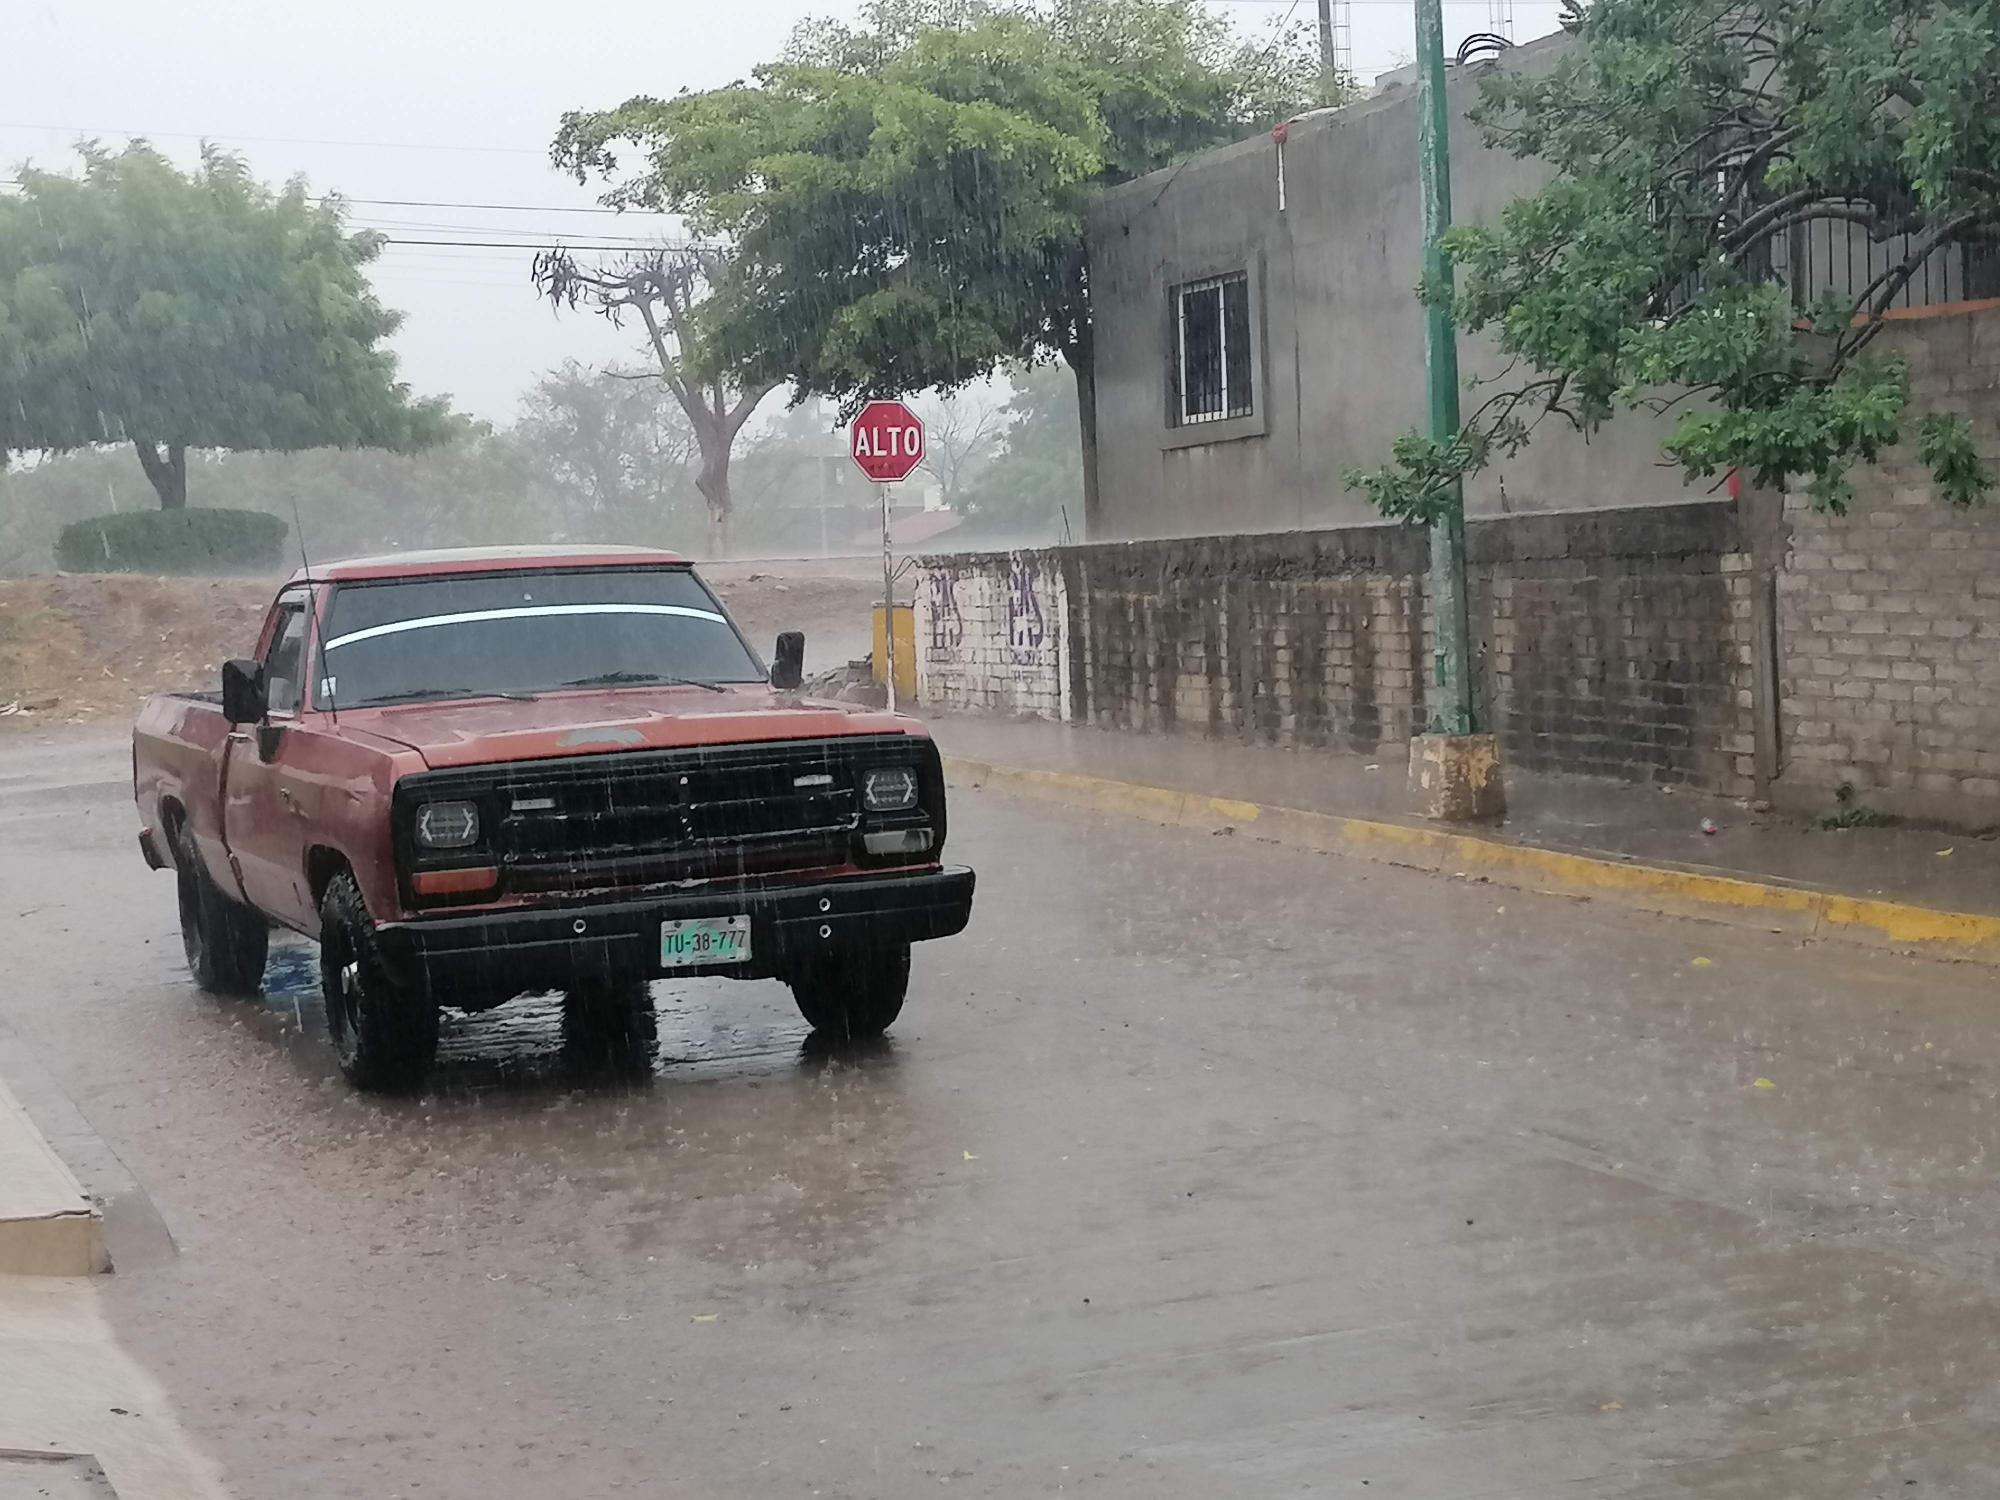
<point x="790" y="1149"/>
<point x="707" y="1029"/>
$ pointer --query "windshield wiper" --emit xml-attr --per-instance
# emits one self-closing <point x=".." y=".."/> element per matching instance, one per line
<point x="617" y="679"/>
<point x="425" y="694"/>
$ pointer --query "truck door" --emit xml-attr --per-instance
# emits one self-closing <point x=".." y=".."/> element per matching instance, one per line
<point x="263" y="811"/>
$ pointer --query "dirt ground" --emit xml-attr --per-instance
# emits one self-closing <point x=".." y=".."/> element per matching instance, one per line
<point x="84" y="648"/>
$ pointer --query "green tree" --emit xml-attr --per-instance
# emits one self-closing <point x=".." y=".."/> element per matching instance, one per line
<point x="905" y="196"/>
<point x="197" y="310"/>
<point x="1032" y="488"/>
<point x="1695" y="147"/>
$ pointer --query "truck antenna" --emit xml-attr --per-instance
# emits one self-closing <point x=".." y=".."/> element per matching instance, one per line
<point x="299" y="531"/>
<point x="305" y="565"/>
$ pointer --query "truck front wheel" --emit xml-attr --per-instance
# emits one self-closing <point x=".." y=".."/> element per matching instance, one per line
<point x="384" y="1036"/>
<point x="855" y="993"/>
<point x="225" y="942"/>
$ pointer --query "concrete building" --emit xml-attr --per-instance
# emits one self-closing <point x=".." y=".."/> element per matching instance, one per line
<point x="1313" y="244"/>
<point x="1258" y="330"/>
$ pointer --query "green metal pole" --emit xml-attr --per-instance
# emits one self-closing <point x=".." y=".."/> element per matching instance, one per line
<point x="1451" y="688"/>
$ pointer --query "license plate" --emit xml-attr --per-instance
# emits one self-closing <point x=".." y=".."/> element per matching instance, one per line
<point x="704" y="940"/>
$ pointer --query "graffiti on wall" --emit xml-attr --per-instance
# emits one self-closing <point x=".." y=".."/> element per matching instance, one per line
<point x="992" y="635"/>
<point x="946" y="624"/>
<point x="1027" y="627"/>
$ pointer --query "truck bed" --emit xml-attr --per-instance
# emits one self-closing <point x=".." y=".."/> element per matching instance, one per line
<point x="177" y="744"/>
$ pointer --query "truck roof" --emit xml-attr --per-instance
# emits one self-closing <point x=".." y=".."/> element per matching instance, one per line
<point x="486" y="560"/>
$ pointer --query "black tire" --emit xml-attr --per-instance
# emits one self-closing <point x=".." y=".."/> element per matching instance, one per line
<point x="610" y="1027"/>
<point x="384" y="1035"/>
<point x="226" y="942"/>
<point x="854" y="993"/>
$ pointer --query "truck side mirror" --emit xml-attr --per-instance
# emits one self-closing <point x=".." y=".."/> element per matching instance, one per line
<point x="243" y="700"/>
<point x="788" y="663"/>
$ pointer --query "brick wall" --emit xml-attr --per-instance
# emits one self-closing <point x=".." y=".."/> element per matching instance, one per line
<point x="992" y="633"/>
<point x="1889" y="616"/>
<point x="1309" y="638"/>
<point x="1618" y="643"/>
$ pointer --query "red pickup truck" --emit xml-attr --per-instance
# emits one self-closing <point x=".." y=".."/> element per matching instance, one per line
<point x="478" y="774"/>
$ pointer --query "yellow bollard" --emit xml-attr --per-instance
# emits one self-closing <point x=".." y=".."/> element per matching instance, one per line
<point x="906" y="652"/>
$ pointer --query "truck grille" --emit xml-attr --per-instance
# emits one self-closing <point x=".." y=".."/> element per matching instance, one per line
<point x="650" y="816"/>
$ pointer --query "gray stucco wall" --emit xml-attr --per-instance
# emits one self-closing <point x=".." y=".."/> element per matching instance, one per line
<point x="1339" y="371"/>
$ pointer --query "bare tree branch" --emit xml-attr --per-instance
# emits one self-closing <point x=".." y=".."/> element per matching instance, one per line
<point x="665" y="288"/>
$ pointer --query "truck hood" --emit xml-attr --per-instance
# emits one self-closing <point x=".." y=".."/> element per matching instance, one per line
<point x="487" y="731"/>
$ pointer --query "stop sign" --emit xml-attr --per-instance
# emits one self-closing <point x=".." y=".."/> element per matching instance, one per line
<point x="887" y="441"/>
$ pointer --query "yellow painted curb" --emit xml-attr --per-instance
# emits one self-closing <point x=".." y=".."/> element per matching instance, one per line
<point x="1798" y="910"/>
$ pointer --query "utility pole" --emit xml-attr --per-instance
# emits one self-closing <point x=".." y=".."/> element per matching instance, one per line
<point x="1328" y="71"/>
<point x="1336" y="45"/>
<point x="1454" y="769"/>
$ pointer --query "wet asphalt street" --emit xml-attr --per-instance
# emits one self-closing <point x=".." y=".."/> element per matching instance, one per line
<point x="1196" y="1168"/>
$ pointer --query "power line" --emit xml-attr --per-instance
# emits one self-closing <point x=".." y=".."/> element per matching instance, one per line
<point x="498" y="208"/>
<point x="577" y="245"/>
<point x="277" y="140"/>
<point x="516" y="208"/>
<point x="471" y="260"/>
<point x="535" y="232"/>
<point x="396" y="231"/>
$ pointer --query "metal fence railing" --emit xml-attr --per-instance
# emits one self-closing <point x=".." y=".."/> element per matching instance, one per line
<point x="1833" y="255"/>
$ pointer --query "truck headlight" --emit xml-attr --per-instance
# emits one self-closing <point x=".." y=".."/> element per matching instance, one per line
<point x="889" y="789"/>
<point x="447" y="825"/>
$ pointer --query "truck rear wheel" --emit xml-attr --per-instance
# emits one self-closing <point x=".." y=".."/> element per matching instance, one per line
<point x="854" y="993"/>
<point x="611" y="1026"/>
<point x="384" y="1035"/>
<point x="226" y="942"/>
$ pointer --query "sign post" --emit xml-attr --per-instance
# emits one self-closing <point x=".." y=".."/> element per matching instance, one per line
<point x="888" y="603"/>
<point x="886" y="441"/>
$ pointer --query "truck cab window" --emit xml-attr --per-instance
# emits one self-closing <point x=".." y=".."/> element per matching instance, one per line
<point x="284" y="662"/>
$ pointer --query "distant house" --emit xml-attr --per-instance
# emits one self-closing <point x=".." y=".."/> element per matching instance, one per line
<point x="910" y="529"/>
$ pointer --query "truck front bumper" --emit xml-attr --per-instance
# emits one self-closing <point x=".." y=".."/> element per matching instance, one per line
<point x="487" y="957"/>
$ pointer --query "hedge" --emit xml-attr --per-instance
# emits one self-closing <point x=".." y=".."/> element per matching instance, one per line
<point x="172" y="541"/>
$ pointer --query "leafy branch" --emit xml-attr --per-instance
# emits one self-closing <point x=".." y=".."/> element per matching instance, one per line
<point x="1697" y="149"/>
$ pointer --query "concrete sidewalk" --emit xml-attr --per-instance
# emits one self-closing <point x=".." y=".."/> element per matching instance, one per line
<point x="78" y="1416"/>
<point x="48" y="1227"/>
<point x="1904" y="886"/>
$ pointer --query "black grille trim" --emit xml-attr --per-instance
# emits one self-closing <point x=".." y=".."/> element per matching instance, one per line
<point x="639" y="817"/>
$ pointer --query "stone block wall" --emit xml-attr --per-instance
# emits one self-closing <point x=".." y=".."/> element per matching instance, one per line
<point x="1308" y="638"/>
<point x="1618" y="643"/>
<point x="1889" y="615"/>
<point x="1610" y="643"/>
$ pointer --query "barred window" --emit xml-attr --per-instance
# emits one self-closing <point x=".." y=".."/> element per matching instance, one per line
<point x="1211" y="358"/>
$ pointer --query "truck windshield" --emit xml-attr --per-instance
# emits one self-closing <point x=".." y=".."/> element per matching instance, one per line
<point x="509" y="634"/>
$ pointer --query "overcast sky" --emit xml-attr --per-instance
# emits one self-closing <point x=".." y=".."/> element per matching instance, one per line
<point x="446" y="101"/>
